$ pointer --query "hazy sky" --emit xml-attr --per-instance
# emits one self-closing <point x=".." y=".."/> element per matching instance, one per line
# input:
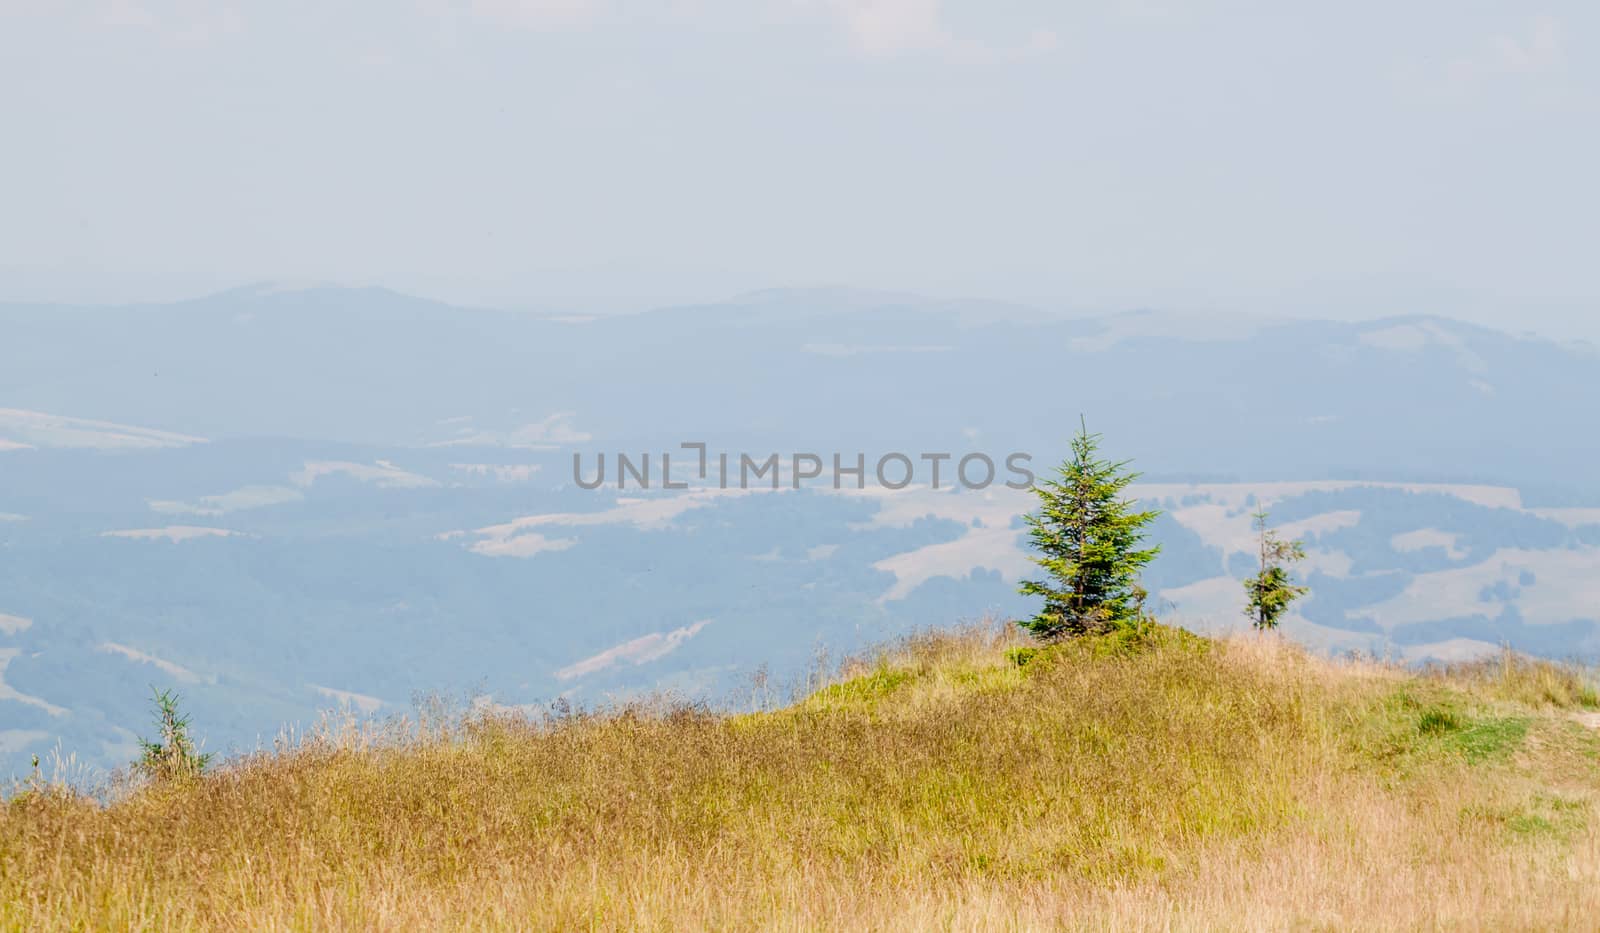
<point x="1347" y="159"/>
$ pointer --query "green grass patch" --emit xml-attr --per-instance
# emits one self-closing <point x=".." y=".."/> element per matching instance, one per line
<point x="1542" y="816"/>
<point x="865" y="690"/>
<point x="1489" y="739"/>
<point x="1416" y="723"/>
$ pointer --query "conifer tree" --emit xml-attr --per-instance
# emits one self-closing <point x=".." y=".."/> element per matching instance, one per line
<point x="172" y="756"/>
<point x="1270" y="591"/>
<point x="1088" y="537"/>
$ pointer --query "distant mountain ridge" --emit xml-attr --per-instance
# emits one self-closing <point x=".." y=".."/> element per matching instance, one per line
<point x="1184" y="394"/>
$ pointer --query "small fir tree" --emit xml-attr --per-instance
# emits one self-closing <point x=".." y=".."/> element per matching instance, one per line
<point x="1088" y="537"/>
<point x="1270" y="591"/>
<point x="173" y="755"/>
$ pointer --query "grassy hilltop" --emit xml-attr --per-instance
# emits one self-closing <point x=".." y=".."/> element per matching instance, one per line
<point x="956" y="781"/>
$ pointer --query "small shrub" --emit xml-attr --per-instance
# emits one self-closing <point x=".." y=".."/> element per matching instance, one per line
<point x="1021" y="655"/>
<point x="1438" y="721"/>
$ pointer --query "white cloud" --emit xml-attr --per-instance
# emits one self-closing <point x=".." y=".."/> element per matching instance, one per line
<point x="1538" y="51"/>
<point x="173" y="533"/>
<point x="125" y="13"/>
<point x="1565" y="588"/>
<point x="885" y="28"/>
<point x="1238" y="496"/>
<point x="990" y="542"/>
<point x="8" y="692"/>
<point x="246" y="497"/>
<point x="188" y="22"/>
<point x="514" y="539"/>
<point x="502" y="473"/>
<point x="1411" y="338"/>
<point x="1572" y="518"/>
<point x="384" y="473"/>
<point x="123" y="747"/>
<point x="527" y="14"/>
<point x="552" y="432"/>
<point x="11" y="625"/>
<point x="640" y="650"/>
<point x="854" y="349"/>
<point x="176" y="671"/>
<point x="1328" y="563"/>
<point x="359" y="702"/>
<point x="523" y="545"/>
<point x="889" y="27"/>
<point x="1215" y="604"/>
<point x="1152" y="11"/>
<point x="979" y="548"/>
<point x="1424" y="538"/>
<point x="38" y="429"/>
<point x="1541" y="51"/>
<point x="15" y="740"/>
<point x="1322" y="524"/>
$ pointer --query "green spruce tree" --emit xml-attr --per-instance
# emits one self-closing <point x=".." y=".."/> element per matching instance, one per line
<point x="173" y="756"/>
<point x="1088" y="537"/>
<point x="1270" y="591"/>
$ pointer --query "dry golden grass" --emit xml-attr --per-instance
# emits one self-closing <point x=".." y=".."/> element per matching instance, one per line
<point x="1177" y="784"/>
<point x="1512" y="676"/>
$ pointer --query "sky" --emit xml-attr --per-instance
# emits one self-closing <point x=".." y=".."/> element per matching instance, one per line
<point x="1346" y="160"/>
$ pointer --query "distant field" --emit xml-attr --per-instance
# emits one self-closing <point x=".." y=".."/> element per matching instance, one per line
<point x="951" y="782"/>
